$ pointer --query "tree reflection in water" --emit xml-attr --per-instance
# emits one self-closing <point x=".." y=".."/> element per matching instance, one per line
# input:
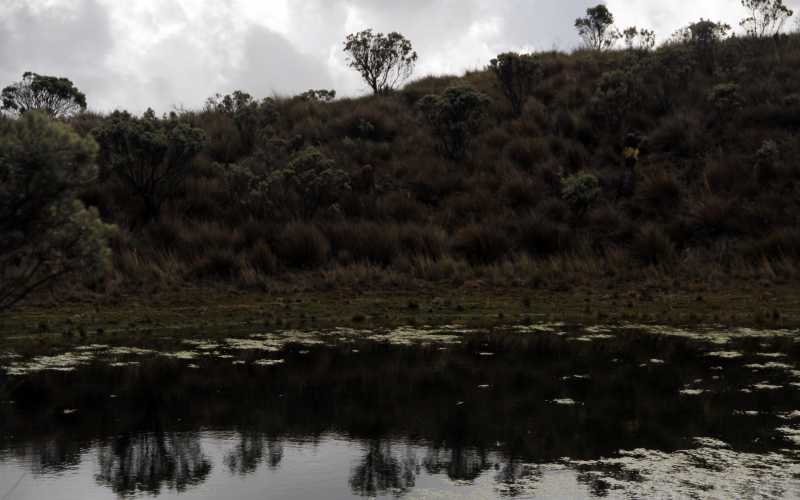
<point x="248" y="454"/>
<point x="149" y="462"/>
<point x="471" y="413"/>
<point x="380" y="472"/>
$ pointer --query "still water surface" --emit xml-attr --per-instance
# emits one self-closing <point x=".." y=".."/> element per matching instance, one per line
<point x="543" y="411"/>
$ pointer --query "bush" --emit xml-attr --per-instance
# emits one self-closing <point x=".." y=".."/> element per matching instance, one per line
<point x="725" y="98"/>
<point x="617" y="92"/>
<point x="422" y="241"/>
<point x="400" y="207"/>
<point x="46" y="234"/>
<point x="218" y="264"/>
<point x="581" y="191"/>
<point x="262" y="259"/>
<point x="517" y="74"/>
<point x="660" y="194"/>
<point x="652" y="246"/>
<point x="455" y="116"/>
<point x="540" y="236"/>
<point x="481" y="243"/>
<point x="364" y="241"/>
<point x="303" y="246"/>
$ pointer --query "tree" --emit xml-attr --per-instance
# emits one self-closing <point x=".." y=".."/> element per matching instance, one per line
<point x="517" y="75"/>
<point x="455" y="116"/>
<point x="382" y="60"/>
<point x="151" y="156"/>
<point x="597" y="28"/>
<point x="703" y="36"/>
<point x="46" y="234"/>
<point x="766" y="18"/>
<point x="58" y="97"/>
<point x="639" y="39"/>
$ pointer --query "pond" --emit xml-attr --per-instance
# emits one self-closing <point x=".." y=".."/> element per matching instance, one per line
<point x="537" y="411"/>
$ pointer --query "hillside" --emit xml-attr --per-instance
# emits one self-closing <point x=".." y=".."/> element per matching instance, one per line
<point x="308" y="192"/>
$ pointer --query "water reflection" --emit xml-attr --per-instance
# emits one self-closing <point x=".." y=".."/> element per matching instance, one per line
<point x="149" y="462"/>
<point x="498" y="407"/>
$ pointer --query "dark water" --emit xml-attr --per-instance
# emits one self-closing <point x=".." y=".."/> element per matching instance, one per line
<point x="544" y="412"/>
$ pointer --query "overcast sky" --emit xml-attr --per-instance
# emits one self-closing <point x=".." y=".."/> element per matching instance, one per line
<point x="133" y="54"/>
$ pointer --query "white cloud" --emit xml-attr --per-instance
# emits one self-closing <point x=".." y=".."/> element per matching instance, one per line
<point x="159" y="53"/>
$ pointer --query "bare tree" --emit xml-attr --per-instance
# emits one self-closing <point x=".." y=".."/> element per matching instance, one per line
<point x="767" y="17"/>
<point x="384" y="61"/>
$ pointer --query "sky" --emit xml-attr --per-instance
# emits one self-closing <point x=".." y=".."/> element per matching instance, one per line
<point x="167" y="54"/>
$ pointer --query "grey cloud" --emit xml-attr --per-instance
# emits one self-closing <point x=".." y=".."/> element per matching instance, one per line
<point x="270" y="64"/>
<point x="75" y="41"/>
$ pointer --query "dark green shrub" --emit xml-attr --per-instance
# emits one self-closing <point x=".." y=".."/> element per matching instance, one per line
<point x="46" y="234"/>
<point x="455" y="116"/>
<point x="517" y="74"/>
<point x="581" y="191"/>
<point x="616" y="94"/>
<point x="303" y="246"/>
<point x="652" y="246"/>
<point x="152" y="157"/>
<point x="481" y="243"/>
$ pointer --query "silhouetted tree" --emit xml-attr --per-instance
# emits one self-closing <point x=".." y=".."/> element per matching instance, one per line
<point x="766" y="18"/>
<point x="517" y="75"/>
<point x="45" y="232"/>
<point x="639" y="39"/>
<point x="152" y="157"/>
<point x="455" y="116"/>
<point x="382" y="60"/>
<point x="597" y="28"/>
<point x="58" y="97"/>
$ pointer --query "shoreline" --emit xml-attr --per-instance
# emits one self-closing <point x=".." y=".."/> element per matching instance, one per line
<point x="215" y="310"/>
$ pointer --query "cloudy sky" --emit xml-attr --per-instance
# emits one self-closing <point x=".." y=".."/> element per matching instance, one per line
<point x="162" y="53"/>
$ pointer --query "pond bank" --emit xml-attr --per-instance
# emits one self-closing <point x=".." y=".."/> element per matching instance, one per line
<point x="212" y="310"/>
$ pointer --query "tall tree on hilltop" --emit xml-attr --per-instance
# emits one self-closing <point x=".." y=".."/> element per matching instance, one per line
<point x="384" y="61"/>
<point x="55" y="96"/>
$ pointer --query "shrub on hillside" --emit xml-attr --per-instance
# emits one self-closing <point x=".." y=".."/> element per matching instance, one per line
<point x="540" y="236"/>
<point x="262" y="259"/>
<point x="303" y="246"/>
<point x="455" y="116"/>
<point x="481" y="243"/>
<point x="364" y="242"/>
<point x="516" y="74"/>
<point x="617" y="92"/>
<point x="652" y="246"/>
<point x="581" y="191"/>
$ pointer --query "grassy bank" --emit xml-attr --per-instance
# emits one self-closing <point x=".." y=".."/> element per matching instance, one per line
<point x="222" y="311"/>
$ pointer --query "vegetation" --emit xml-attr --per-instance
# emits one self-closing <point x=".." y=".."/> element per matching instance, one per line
<point x="58" y="97"/>
<point x="46" y="234"/>
<point x="597" y="28"/>
<point x="383" y="61"/>
<point x="542" y="168"/>
<point x="767" y="17"/>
